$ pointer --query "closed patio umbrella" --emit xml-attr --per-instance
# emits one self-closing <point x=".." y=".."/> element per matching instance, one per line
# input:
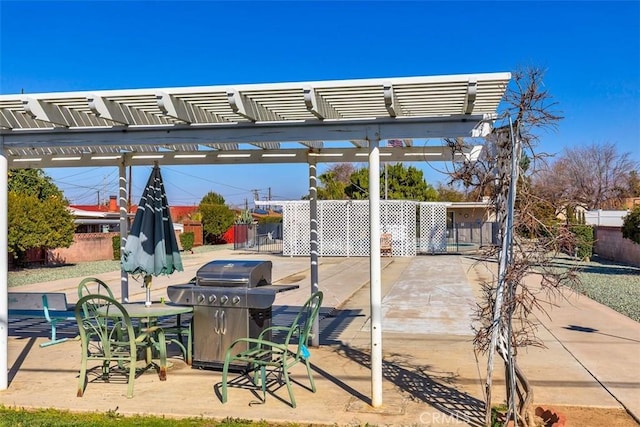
<point x="152" y="248"/>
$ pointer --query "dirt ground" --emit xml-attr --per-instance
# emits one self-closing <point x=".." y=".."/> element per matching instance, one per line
<point x="595" y="417"/>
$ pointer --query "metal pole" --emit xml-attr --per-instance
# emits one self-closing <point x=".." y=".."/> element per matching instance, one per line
<point x="374" y="272"/>
<point x="124" y="225"/>
<point x="313" y="253"/>
<point x="386" y="182"/>
<point x="504" y="259"/>
<point x="4" y="270"/>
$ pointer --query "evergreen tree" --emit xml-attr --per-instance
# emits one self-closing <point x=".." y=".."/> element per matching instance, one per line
<point x="402" y="183"/>
<point x="37" y="214"/>
<point x="216" y="216"/>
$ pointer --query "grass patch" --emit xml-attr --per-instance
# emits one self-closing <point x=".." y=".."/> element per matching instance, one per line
<point x="57" y="418"/>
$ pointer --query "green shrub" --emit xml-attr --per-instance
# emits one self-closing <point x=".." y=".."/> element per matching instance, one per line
<point x="186" y="240"/>
<point x="115" y="245"/>
<point x="631" y="225"/>
<point x="584" y="240"/>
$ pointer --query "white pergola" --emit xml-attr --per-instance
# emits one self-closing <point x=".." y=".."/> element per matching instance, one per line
<point x="306" y="122"/>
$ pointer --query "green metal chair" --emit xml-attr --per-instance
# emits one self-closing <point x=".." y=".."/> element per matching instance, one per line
<point x="93" y="286"/>
<point x="180" y="333"/>
<point x="279" y="357"/>
<point x="108" y="337"/>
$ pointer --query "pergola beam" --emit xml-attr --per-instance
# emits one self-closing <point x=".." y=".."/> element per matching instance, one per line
<point x="470" y="98"/>
<point x="173" y="107"/>
<point x="107" y="110"/>
<point x="237" y="156"/>
<point x="243" y="106"/>
<point x="449" y="127"/>
<point x="44" y="111"/>
<point x="317" y="105"/>
<point x="390" y="100"/>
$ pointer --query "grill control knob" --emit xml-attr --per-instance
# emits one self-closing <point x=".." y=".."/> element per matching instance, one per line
<point x="224" y="299"/>
<point x="201" y="298"/>
<point x="212" y="299"/>
<point x="235" y="300"/>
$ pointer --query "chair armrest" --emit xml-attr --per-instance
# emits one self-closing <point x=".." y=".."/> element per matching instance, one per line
<point x="260" y="343"/>
<point x="287" y="329"/>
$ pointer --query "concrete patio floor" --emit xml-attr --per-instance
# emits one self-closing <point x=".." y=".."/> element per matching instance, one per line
<point x="431" y="374"/>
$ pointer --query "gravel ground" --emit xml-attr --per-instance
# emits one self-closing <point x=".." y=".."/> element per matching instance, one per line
<point x="615" y="285"/>
<point x="37" y="275"/>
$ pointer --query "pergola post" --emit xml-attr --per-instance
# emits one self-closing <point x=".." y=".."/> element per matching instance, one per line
<point x="4" y="269"/>
<point x="374" y="272"/>
<point x="313" y="252"/>
<point x="124" y="227"/>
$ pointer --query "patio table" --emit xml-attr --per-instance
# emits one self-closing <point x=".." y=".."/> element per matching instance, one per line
<point x="149" y="314"/>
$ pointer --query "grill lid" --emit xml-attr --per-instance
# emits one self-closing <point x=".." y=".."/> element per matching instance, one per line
<point x="235" y="273"/>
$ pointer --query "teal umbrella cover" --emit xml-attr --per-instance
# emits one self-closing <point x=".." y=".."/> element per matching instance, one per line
<point x="152" y="248"/>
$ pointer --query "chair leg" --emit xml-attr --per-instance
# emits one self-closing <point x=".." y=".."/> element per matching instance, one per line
<point x="105" y="370"/>
<point x="190" y="344"/>
<point x="82" y="379"/>
<point x="162" y="344"/>
<point x="285" y="372"/>
<point x="132" y="376"/>
<point x="225" y="371"/>
<point x="313" y="384"/>
<point x="263" y="378"/>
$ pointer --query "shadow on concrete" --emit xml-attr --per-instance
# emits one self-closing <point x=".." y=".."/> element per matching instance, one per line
<point x="421" y="384"/>
<point x="13" y="370"/>
<point x="589" y="330"/>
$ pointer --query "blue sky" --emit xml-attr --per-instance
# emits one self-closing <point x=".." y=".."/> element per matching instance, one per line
<point x="590" y="50"/>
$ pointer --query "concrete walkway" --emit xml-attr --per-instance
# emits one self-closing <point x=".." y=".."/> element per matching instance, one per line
<point x="431" y="374"/>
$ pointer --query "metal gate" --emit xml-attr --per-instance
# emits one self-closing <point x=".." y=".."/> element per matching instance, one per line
<point x="258" y="237"/>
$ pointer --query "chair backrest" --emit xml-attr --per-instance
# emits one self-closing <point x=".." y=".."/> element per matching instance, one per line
<point x="303" y="322"/>
<point x="108" y="325"/>
<point x="92" y="286"/>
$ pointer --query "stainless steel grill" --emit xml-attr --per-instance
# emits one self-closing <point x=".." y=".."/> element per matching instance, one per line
<point x="231" y="299"/>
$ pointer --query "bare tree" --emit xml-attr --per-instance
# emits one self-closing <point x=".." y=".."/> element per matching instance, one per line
<point x="505" y="321"/>
<point x="596" y="176"/>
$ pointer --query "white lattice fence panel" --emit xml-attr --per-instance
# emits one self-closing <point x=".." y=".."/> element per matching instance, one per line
<point x="358" y="223"/>
<point x="295" y="228"/>
<point x="398" y="217"/>
<point x="332" y="228"/>
<point x="343" y="227"/>
<point x="433" y="227"/>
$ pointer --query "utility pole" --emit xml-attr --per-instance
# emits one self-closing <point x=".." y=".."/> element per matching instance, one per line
<point x="386" y="182"/>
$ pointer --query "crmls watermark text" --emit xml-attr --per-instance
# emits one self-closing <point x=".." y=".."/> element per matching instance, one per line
<point x="438" y="418"/>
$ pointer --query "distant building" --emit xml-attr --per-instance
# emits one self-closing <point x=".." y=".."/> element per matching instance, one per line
<point x="106" y="218"/>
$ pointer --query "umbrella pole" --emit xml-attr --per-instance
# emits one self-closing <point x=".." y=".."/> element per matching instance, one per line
<point x="147" y="286"/>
